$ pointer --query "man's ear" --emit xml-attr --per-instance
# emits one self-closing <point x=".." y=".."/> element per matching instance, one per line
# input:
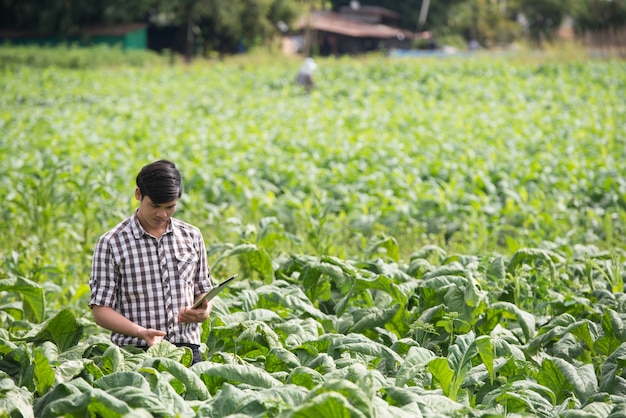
<point x="137" y="194"/>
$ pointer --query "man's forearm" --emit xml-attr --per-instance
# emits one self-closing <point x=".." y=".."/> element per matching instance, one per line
<point x="114" y="321"/>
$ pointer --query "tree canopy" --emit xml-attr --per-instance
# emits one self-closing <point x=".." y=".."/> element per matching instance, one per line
<point x="226" y="26"/>
<point x="493" y="21"/>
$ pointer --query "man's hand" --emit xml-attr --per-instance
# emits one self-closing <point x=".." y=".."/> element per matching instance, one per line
<point x="200" y="314"/>
<point x="114" y="321"/>
<point x="151" y="336"/>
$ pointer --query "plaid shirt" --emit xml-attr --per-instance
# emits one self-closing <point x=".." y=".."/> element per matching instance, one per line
<point x="150" y="280"/>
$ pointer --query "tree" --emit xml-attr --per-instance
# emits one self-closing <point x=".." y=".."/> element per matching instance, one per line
<point x="227" y="26"/>
<point x="64" y="18"/>
<point x="219" y="25"/>
<point x="601" y="14"/>
<point x="488" y="22"/>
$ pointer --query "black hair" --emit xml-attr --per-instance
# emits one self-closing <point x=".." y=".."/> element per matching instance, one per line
<point x="160" y="181"/>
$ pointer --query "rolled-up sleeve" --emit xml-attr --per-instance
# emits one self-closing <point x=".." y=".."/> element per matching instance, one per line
<point x="203" y="282"/>
<point x="103" y="279"/>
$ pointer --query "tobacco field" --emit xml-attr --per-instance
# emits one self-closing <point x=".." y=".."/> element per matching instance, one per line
<point x="414" y="238"/>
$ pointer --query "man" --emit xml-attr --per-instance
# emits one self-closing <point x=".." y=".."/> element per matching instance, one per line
<point x="149" y="269"/>
<point x="305" y="74"/>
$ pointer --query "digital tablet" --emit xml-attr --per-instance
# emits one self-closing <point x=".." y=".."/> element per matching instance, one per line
<point x="213" y="292"/>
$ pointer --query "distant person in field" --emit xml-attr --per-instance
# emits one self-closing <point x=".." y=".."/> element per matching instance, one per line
<point x="305" y="74"/>
<point x="149" y="269"/>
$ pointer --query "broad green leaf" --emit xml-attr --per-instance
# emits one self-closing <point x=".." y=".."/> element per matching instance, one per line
<point x="234" y="251"/>
<point x="261" y="262"/>
<point x="356" y="343"/>
<point x="469" y="302"/>
<point x="429" y="251"/>
<point x="505" y="349"/>
<point x="113" y="358"/>
<point x="580" y="329"/>
<point x="305" y="329"/>
<point x="592" y="410"/>
<point x="441" y="370"/>
<point x="62" y="329"/>
<point x="6" y="346"/>
<point x="93" y="402"/>
<point x="92" y="370"/>
<point x="263" y="315"/>
<point x="552" y="377"/>
<point x="50" y="351"/>
<point x="194" y="388"/>
<point x="280" y="359"/>
<point x="613" y="335"/>
<point x="356" y="396"/>
<point x="15" y="401"/>
<point x="610" y="379"/>
<point x="306" y="377"/>
<point x="479" y="374"/>
<point x="383" y="409"/>
<point x="523" y="396"/>
<point x="433" y="404"/>
<point x="258" y="334"/>
<point x="443" y="282"/>
<point x="618" y="410"/>
<point x="387" y="245"/>
<point x="415" y="363"/>
<point x="31" y="294"/>
<point x="232" y="401"/>
<point x="360" y="280"/>
<point x="327" y="404"/>
<point x="143" y="398"/>
<point x="582" y="378"/>
<point x="332" y="270"/>
<point x="460" y="356"/>
<point x="372" y="318"/>
<point x="163" y="390"/>
<point x="43" y="372"/>
<point x="526" y="255"/>
<point x="402" y="396"/>
<point x="370" y="381"/>
<point x="474" y="296"/>
<point x="525" y="320"/>
<point x="69" y="369"/>
<point x="403" y="345"/>
<point x="322" y="363"/>
<point x="291" y="298"/>
<point x="348" y="269"/>
<point x="486" y="352"/>
<point x="165" y="349"/>
<point x="214" y="375"/>
<point x="496" y="270"/>
<point x="122" y="379"/>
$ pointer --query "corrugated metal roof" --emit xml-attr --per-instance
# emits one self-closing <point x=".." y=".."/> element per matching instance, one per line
<point x="336" y="23"/>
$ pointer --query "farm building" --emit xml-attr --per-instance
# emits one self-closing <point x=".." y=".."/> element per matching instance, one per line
<point x="129" y="36"/>
<point x="352" y="31"/>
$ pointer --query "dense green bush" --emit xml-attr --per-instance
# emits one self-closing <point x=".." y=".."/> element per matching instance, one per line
<point x="69" y="56"/>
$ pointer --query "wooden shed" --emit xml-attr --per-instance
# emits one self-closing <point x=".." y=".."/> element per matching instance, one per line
<point x="352" y="31"/>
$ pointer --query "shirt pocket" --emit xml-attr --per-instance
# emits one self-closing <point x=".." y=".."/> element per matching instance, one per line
<point x="187" y="265"/>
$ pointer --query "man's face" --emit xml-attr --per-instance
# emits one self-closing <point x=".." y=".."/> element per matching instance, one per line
<point x="154" y="216"/>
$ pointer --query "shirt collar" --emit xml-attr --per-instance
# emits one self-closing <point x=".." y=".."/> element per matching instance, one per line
<point x="138" y="230"/>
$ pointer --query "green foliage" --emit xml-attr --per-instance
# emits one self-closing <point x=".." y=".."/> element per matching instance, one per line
<point x="64" y="18"/>
<point x="412" y="238"/>
<point x="70" y="56"/>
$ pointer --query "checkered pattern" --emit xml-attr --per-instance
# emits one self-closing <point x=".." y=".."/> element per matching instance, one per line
<point x="150" y="280"/>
